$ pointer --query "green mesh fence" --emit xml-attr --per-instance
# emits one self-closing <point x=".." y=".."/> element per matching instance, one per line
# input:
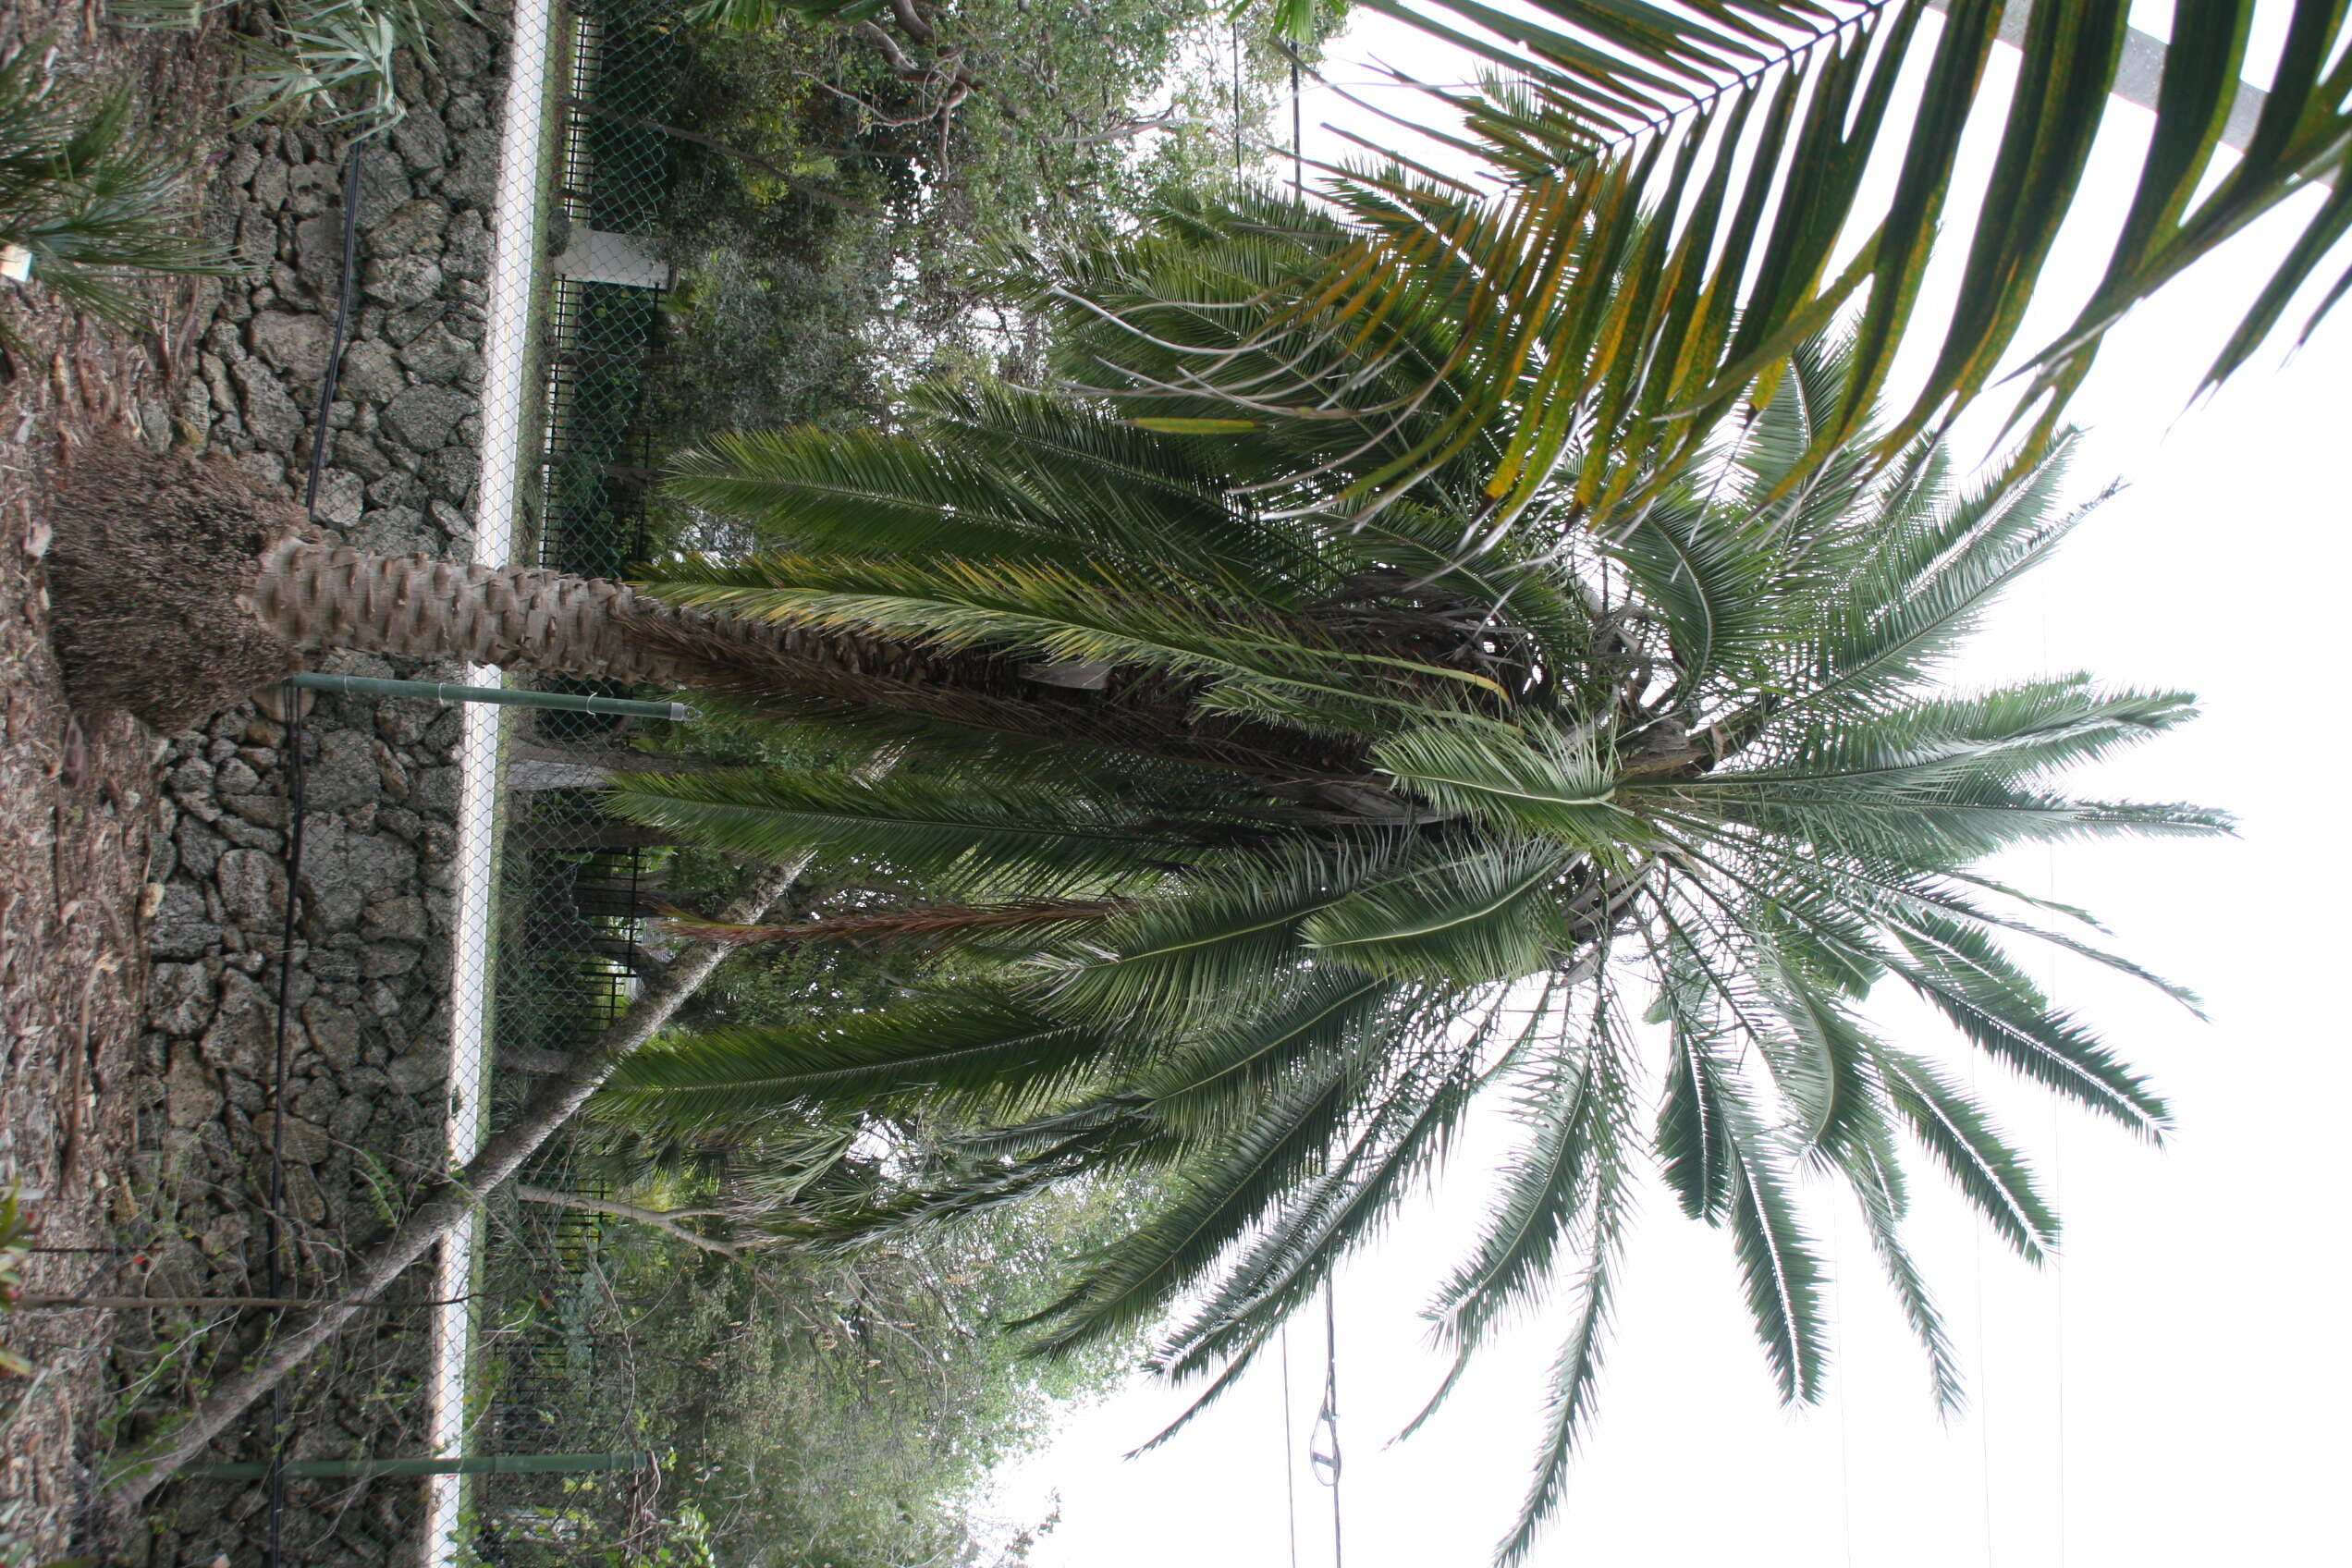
<point x="573" y="892"/>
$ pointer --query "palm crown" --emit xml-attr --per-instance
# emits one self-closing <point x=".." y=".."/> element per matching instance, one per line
<point x="1290" y="818"/>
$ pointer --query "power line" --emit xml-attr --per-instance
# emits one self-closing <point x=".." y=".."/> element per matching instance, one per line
<point x="1290" y="1451"/>
<point x="1325" y="1452"/>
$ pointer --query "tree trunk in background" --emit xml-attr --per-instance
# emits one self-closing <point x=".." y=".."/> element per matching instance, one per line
<point x="531" y="767"/>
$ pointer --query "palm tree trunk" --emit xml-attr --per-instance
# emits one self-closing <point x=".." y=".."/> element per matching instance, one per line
<point x="320" y="595"/>
<point x="551" y="1105"/>
<point x="316" y="595"/>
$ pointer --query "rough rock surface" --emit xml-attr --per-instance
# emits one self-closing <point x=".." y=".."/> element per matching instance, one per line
<point x="365" y="983"/>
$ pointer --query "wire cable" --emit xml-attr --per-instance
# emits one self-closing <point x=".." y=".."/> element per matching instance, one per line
<point x="1324" y="1454"/>
<point x="296" y="806"/>
<point x="1290" y="1451"/>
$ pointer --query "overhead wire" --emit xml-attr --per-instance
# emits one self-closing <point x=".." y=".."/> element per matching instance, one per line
<point x="1845" y="1430"/>
<point x="2057" y="1168"/>
<point x="1323" y="1453"/>
<point x="1289" y="1451"/>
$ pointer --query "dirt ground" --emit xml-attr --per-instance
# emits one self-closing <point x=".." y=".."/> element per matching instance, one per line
<point x="77" y="799"/>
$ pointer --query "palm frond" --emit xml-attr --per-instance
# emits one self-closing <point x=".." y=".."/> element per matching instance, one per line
<point x="959" y="1051"/>
<point x="1218" y="1080"/>
<point x="1277" y="663"/>
<point x="1964" y="976"/>
<point x="1876" y="1177"/>
<point x="1656" y="109"/>
<point x="1955" y="1129"/>
<point x="1776" y="1259"/>
<point x="1548" y="1190"/>
<point x="1536" y="781"/>
<point x="1033" y="834"/>
<point x="1574" y="1387"/>
<point x="1232" y="938"/>
<point x="1470" y="922"/>
<point x="1277" y="1271"/>
<point x="1215" y="1200"/>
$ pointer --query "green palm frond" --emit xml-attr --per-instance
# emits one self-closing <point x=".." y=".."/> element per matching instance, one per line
<point x="1280" y="1270"/>
<point x="863" y="492"/>
<point x="1823" y="1065"/>
<point x="1711" y="584"/>
<point x="96" y="199"/>
<point x="1488" y="919"/>
<point x="1216" y="1199"/>
<point x="1569" y="1401"/>
<point x="1776" y="1259"/>
<point x="1212" y="1083"/>
<point x="1915" y="594"/>
<point x="1230" y="939"/>
<point x="1876" y="1176"/>
<point x="1963" y="976"/>
<point x="1026" y="835"/>
<point x="1620" y="129"/>
<point x="1548" y="1192"/>
<point x="1003" y="476"/>
<point x="964" y="1050"/>
<point x="1536" y="781"/>
<point x="1955" y="1129"/>
<point x="1999" y="737"/>
<point x="1255" y="662"/>
<point x="1693" y="1139"/>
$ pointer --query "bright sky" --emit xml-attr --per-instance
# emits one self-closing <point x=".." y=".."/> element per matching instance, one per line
<point x="2170" y="1393"/>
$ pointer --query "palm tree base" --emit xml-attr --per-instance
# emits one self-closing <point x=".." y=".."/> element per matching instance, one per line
<point x="149" y="576"/>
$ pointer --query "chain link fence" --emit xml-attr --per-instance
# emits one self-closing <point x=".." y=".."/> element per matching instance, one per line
<point x="569" y="891"/>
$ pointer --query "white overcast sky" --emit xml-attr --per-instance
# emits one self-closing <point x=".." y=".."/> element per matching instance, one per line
<point x="2173" y="1390"/>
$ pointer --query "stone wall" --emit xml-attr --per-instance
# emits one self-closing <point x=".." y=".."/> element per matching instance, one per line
<point x="366" y="1034"/>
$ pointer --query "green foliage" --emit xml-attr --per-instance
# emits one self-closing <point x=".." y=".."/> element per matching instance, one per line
<point x="334" y="60"/>
<point x="1415" y="802"/>
<point x="1648" y="143"/>
<point x="15" y="1247"/>
<point x="809" y="1412"/>
<point x="328" y="60"/>
<point x="95" y="197"/>
<point x="836" y="215"/>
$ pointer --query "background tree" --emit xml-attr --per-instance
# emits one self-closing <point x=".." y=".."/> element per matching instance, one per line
<point x="817" y="1409"/>
<point x="833" y="217"/>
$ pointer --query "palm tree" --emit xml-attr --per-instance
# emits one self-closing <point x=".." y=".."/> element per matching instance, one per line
<point x="1660" y="135"/>
<point x="89" y="199"/>
<point x="1639" y="145"/>
<point x="1582" y="812"/>
<point x="1321" y="665"/>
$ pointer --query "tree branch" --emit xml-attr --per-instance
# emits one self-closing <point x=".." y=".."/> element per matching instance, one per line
<point x="618" y="1210"/>
<point x="552" y="1105"/>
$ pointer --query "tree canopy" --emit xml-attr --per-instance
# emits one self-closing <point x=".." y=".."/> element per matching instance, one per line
<point x="1278" y="819"/>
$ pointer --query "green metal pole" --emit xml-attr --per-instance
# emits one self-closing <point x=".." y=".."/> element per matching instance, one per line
<point x="468" y="1464"/>
<point x="509" y="696"/>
